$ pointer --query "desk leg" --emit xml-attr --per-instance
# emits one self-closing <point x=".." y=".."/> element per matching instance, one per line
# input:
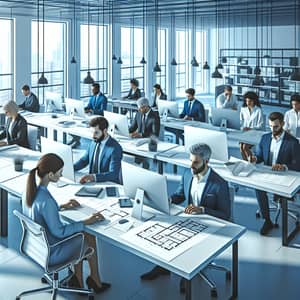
<point x="55" y="135"/>
<point x="284" y="221"/>
<point x="64" y="138"/>
<point x="3" y="213"/>
<point x="188" y="289"/>
<point x="160" y="167"/>
<point x="234" y="270"/>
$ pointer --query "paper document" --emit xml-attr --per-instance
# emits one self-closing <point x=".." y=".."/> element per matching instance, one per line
<point x="240" y="168"/>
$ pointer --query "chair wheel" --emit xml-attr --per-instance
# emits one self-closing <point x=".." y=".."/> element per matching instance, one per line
<point x="276" y="225"/>
<point x="44" y="280"/>
<point x="228" y="275"/>
<point x="214" y="293"/>
<point x="257" y="215"/>
<point x="91" y="297"/>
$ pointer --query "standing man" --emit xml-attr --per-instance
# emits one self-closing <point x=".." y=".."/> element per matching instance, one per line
<point x="193" y="109"/>
<point x="227" y="99"/>
<point x="280" y="150"/>
<point x="31" y="102"/>
<point x="103" y="156"/>
<point x="98" y="102"/>
<point x="292" y="117"/>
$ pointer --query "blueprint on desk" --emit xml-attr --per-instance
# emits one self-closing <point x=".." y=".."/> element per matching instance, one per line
<point x="170" y="237"/>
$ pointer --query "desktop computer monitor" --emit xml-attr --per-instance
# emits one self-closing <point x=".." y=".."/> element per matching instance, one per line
<point x="216" y="140"/>
<point x="170" y="106"/>
<point x="53" y="101"/>
<point x="75" y="107"/>
<point x="154" y="185"/>
<point x="119" y="122"/>
<point x="63" y="151"/>
<point x="232" y="117"/>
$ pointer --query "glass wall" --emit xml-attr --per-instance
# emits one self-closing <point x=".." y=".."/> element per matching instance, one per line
<point x="98" y="54"/>
<point x="131" y="54"/>
<point x="54" y="58"/>
<point x="6" y="60"/>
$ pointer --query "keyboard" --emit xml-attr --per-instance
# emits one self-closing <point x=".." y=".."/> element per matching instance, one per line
<point x="140" y="142"/>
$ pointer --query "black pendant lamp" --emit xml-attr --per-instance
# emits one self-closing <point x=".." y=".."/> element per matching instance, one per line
<point x="157" y="66"/>
<point x="194" y="61"/>
<point x="173" y="29"/>
<point x="120" y="61"/>
<point x="88" y="79"/>
<point x="258" y="80"/>
<point x="114" y="57"/>
<point x="143" y="60"/>
<point x="43" y="80"/>
<point x="73" y="60"/>
<point x="206" y="66"/>
<point x="216" y="74"/>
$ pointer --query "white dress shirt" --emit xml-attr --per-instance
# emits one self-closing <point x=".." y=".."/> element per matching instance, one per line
<point x="197" y="187"/>
<point x="275" y="147"/>
<point x="222" y="101"/>
<point x="252" y="120"/>
<point x="292" y="122"/>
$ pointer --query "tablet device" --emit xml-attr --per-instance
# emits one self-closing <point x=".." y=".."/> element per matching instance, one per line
<point x="89" y="191"/>
<point x="111" y="191"/>
<point x="125" y="202"/>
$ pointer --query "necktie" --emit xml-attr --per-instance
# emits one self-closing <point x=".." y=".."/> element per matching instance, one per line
<point x="190" y="106"/>
<point x="95" y="100"/>
<point x="96" y="158"/>
<point x="143" y="123"/>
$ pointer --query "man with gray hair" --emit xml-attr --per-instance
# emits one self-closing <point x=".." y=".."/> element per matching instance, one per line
<point x="146" y="121"/>
<point x="204" y="191"/>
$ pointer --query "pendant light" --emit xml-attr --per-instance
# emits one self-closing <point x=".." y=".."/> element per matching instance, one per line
<point x="43" y="80"/>
<point x="173" y="49"/>
<point x="157" y="66"/>
<point x="216" y="74"/>
<point x="120" y="61"/>
<point x="205" y="66"/>
<point x="143" y="61"/>
<point x="88" y="79"/>
<point x="295" y="75"/>
<point x="73" y="60"/>
<point x="219" y="66"/>
<point x="114" y="57"/>
<point x="268" y="23"/>
<point x="194" y="62"/>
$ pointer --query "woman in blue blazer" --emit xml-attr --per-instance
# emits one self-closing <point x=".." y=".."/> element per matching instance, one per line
<point x="44" y="210"/>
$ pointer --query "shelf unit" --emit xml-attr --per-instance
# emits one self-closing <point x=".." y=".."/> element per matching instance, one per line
<point x="276" y="65"/>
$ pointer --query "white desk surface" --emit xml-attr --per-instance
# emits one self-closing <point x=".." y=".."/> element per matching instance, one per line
<point x="187" y="264"/>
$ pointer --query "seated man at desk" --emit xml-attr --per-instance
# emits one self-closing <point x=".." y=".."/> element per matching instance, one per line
<point x="146" y="123"/>
<point x="280" y="150"/>
<point x="31" y="102"/>
<point x="103" y="156"/>
<point x="15" y="130"/>
<point x="203" y="191"/>
<point x="98" y="102"/>
<point x="292" y="117"/>
<point x="134" y="92"/>
<point x="158" y="94"/>
<point x="193" y="109"/>
<point x="227" y="99"/>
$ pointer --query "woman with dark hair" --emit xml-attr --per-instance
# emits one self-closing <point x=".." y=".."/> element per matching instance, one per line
<point x="251" y="117"/>
<point x="44" y="210"/>
<point x="158" y="94"/>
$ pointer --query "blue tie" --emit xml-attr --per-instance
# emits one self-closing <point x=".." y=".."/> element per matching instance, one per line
<point x="96" y="159"/>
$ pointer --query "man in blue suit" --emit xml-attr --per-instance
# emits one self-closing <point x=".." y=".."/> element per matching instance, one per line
<point x="204" y="191"/>
<point x="31" y="102"/>
<point x="280" y="150"/>
<point x="193" y="109"/>
<point x="103" y="156"/>
<point x="98" y="102"/>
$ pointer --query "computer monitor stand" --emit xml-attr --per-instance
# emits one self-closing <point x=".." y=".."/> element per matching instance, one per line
<point x="137" y="210"/>
<point x="223" y="125"/>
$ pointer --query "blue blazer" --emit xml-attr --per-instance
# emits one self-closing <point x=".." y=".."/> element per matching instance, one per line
<point x="197" y="113"/>
<point x="215" y="197"/>
<point x="110" y="161"/>
<point x="97" y="104"/>
<point x="289" y="152"/>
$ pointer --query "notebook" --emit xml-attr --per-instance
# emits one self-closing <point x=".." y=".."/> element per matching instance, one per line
<point x="89" y="191"/>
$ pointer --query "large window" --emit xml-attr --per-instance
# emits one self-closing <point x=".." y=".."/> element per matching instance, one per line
<point x="201" y="54"/>
<point x="131" y="53"/>
<point x="182" y="58"/>
<point x="162" y="58"/>
<point x="98" y="57"/>
<point x="54" y="58"/>
<point x="6" y="68"/>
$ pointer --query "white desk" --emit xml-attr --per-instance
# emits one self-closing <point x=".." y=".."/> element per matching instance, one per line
<point x="187" y="264"/>
<point x="181" y="158"/>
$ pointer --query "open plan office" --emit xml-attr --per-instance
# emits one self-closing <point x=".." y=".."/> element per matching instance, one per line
<point x="149" y="149"/>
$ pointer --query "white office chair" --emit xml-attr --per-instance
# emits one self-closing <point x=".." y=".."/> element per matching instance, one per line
<point x="35" y="245"/>
<point x="32" y="134"/>
<point x="212" y="265"/>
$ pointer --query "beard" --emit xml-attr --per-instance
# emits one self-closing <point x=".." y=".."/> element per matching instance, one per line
<point x="278" y="132"/>
<point x="199" y="170"/>
<point x="100" y="139"/>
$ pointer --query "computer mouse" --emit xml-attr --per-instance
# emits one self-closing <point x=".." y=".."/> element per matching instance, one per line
<point x="122" y="221"/>
<point x="54" y="116"/>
